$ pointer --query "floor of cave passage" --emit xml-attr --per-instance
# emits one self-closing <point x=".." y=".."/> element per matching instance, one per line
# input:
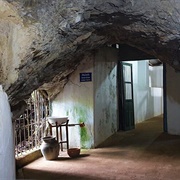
<point x="143" y="153"/>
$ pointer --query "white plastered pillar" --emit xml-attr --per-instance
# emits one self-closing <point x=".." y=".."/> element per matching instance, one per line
<point x="7" y="158"/>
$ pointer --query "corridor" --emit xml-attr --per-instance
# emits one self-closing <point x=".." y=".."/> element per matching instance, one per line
<point x="145" y="153"/>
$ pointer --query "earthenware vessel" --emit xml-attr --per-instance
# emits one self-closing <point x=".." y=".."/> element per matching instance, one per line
<point x="50" y="148"/>
<point x="73" y="152"/>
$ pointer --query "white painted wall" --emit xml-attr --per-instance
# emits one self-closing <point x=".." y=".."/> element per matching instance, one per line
<point x="94" y="103"/>
<point x="173" y="100"/>
<point x="156" y="76"/>
<point x="105" y="94"/>
<point x="148" y="91"/>
<point x="7" y="157"/>
<point x="76" y="102"/>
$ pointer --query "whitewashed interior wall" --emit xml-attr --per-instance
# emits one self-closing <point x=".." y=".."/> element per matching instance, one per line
<point x="148" y="91"/>
<point x="105" y="94"/>
<point x="76" y="102"/>
<point x="7" y="156"/>
<point x="173" y="100"/>
<point x="95" y="102"/>
<point x="156" y="87"/>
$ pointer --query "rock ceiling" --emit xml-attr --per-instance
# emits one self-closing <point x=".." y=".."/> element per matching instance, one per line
<point x="43" y="41"/>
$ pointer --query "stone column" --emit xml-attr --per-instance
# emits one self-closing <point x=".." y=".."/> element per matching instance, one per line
<point x="7" y="157"/>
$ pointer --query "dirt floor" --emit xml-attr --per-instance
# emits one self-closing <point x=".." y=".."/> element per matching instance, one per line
<point x="145" y="153"/>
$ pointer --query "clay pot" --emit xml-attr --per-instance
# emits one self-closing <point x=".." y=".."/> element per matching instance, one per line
<point x="73" y="152"/>
<point x="50" y="148"/>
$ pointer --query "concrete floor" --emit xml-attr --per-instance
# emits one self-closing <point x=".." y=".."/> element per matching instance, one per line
<point x="145" y="153"/>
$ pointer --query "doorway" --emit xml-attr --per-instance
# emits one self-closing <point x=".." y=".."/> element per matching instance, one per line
<point x="140" y="92"/>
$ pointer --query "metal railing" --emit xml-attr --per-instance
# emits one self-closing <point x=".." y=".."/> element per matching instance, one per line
<point x="31" y="126"/>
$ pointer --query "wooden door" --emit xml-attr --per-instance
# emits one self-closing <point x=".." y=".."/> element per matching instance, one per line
<point x="126" y="102"/>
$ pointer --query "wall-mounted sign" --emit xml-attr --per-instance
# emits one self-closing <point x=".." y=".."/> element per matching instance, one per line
<point x="85" y="77"/>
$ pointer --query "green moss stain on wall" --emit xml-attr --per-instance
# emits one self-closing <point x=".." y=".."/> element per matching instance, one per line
<point x="81" y="113"/>
<point x="84" y="137"/>
<point x="67" y="113"/>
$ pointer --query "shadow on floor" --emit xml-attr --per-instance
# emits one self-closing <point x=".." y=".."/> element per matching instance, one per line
<point x="145" y="153"/>
<point x="166" y="145"/>
<point x="66" y="158"/>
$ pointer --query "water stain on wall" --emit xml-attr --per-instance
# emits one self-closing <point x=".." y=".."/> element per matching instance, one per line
<point x="81" y="113"/>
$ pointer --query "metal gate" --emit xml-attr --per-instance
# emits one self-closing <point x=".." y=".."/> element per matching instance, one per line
<point x="30" y="127"/>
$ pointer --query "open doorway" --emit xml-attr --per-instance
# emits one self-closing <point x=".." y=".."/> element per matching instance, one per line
<point x="140" y="92"/>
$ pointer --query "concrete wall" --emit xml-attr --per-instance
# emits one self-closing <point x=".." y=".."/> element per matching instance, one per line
<point x="173" y="100"/>
<point x="94" y="103"/>
<point x="105" y="94"/>
<point x="156" y="76"/>
<point x="7" y="156"/>
<point x="147" y="99"/>
<point x="156" y="87"/>
<point x="76" y="102"/>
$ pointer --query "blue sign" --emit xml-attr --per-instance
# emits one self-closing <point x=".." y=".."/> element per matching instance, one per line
<point x="85" y="77"/>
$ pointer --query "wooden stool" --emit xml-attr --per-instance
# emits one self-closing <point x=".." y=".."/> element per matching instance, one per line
<point x="67" y="136"/>
<point x="59" y="136"/>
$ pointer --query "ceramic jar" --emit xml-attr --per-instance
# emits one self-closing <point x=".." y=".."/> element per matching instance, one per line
<point x="49" y="148"/>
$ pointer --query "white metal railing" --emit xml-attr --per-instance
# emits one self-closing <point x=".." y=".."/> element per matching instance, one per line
<point x="30" y="127"/>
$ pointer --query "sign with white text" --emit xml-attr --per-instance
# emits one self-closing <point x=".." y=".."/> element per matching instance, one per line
<point x="85" y="77"/>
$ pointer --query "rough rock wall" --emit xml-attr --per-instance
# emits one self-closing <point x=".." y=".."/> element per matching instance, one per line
<point x="42" y="42"/>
